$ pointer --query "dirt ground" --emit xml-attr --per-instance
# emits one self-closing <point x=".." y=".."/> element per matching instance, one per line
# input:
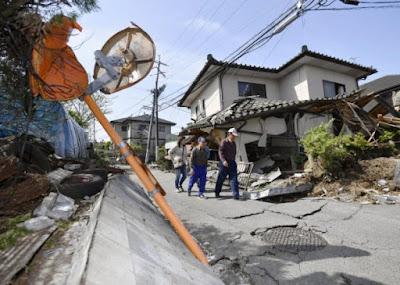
<point x="359" y="182"/>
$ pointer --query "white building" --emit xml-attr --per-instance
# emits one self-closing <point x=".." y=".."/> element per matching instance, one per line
<point x="134" y="130"/>
<point x="263" y="103"/>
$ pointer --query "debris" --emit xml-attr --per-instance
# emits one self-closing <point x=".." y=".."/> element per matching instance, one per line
<point x="47" y="204"/>
<point x="382" y="182"/>
<point x="264" y="162"/>
<point x="279" y="187"/>
<point x="37" y="224"/>
<point x="396" y="178"/>
<point x="272" y="175"/>
<point x="8" y="167"/>
<point x="72" y="166"/>
<point x="299" y="175"/>
<point x="386" y="189"/>
<point x="59" y="175"/>
<point x="63" y="209"/>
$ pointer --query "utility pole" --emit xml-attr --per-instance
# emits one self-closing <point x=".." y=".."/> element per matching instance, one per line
<point x="149" y="135"/>
<point x="157" y="91"/>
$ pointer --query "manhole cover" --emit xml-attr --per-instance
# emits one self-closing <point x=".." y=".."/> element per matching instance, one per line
<point x="294" y="240"/>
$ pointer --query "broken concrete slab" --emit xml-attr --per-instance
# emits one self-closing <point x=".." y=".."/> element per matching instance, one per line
<point x="277" y="188"/>
<point x="17" y="257"/>
<point x="299" y="209"/>
<point x="72" y="166"/>
<point x="59" y="175"/>
<point x="396" y="178"/>
<point x="47" y="204"/>
<point x="386" y="199"/>
<point x="265" y="161"/>
<point x="37" y="224"/>
<point x="63" y="209"/>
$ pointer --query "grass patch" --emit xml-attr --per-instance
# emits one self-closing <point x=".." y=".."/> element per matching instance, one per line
<point x="13" y="234"/>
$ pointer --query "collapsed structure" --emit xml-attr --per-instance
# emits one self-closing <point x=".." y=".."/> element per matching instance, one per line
<point x="273" y="108"/>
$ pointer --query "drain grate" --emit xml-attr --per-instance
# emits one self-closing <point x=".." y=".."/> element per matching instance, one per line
<point x="293" y="240"/>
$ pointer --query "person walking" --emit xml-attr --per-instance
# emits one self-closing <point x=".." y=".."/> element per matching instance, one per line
<point x="198" y="165"/>
<point x="227" y="164"/>
<point x="178" y="156"/>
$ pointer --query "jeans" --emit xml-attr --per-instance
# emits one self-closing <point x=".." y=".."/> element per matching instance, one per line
<point x="231" y="170"/>
<point x="200" y="172"/>
<point x="178" y="171"/>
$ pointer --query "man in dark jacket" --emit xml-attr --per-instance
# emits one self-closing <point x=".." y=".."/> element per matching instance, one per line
<point x="227" y="164"/>
<point x="198" y="165"/>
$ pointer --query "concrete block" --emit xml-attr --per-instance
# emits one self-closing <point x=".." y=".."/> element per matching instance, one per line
<point x="72" y="167"/>
<point x="47" y="204"/>
<point x="62" y="212"/>
<point x="277" y="190"/>
<point x="37" y="224"/>
<point x="59" y="175"/>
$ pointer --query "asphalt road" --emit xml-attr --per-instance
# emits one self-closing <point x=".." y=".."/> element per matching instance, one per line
<point x="310" y="241"/>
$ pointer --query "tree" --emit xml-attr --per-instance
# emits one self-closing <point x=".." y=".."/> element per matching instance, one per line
<point x="22" y="24"/>
<point x="80" y="111"/>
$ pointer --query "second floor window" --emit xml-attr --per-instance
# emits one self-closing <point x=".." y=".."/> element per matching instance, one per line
<point x="161" y="128"/>
<point x="252" y="89"/>
<point x="331" y="89"/>
<point x="124" y="128"/>
<point x="143" y="127"/>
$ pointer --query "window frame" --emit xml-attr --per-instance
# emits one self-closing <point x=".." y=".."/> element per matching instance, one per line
<point x="253" y="86"/>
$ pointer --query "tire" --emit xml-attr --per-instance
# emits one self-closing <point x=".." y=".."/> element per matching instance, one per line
<point x="81" y="185"/>
<point x="95" y="171"/>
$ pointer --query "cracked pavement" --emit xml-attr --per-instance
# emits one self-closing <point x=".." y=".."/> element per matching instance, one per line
<point x="362" y="240"/>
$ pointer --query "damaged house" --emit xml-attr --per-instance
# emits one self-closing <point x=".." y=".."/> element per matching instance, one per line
<point x="272" y="108"/>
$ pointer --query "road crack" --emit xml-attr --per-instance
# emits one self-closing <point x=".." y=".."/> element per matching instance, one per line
<point x="244" y="216"/>
<point x="352" y="215"/>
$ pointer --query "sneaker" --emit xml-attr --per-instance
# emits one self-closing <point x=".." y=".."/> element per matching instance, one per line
<point x="177" y="190"/>
<point x="236" y="198"/>
<point x="217" y="195"/>
<point x="202" y="197"/>
<point x="189" y="193"/>
<point x="181" y="188"/>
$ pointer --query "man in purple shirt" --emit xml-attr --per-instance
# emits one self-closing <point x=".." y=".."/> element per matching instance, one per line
<point x="227" y="164"/>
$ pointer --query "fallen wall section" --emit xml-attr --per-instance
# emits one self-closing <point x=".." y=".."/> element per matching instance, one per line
<point x="134" y="244"/>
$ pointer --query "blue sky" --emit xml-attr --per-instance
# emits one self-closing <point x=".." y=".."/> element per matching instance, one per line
<point x="184" y="32"/>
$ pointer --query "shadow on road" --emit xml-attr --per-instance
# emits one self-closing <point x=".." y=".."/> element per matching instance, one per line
<point x="239" y="258"/>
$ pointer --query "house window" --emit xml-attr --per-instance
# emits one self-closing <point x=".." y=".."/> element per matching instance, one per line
<point x="161" y="128"/>
<point x="331" y="89"/>
<point x="143" y="127"/>
<point x="203" y="105"/>
<point x="251" y="89"/>
<point x="197" y="110"/>
<point x="124" y="128"/>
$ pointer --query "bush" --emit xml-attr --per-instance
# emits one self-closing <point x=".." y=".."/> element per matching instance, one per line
<point x="162" y="162"/>
<point x="333" y="153"/>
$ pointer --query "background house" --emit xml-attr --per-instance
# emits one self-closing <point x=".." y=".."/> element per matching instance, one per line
<point x="134" y="130"/>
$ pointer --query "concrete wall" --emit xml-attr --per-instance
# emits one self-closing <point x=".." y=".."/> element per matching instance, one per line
<point x="316" y="75"/>
<point x="212" y="99"/>
<point x="231" y="89"/>
<point x="134" y="244"/>
<point x="294" y="86"/>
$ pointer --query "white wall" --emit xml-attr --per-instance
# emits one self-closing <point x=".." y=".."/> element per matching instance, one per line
<point x="212" y="99"/>
<point x="294" y="86"/>
<point x="316" y="76"/>
<point x="231" y="89"/>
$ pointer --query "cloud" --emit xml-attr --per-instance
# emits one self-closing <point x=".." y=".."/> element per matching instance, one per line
<point x="205" y="25"/>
